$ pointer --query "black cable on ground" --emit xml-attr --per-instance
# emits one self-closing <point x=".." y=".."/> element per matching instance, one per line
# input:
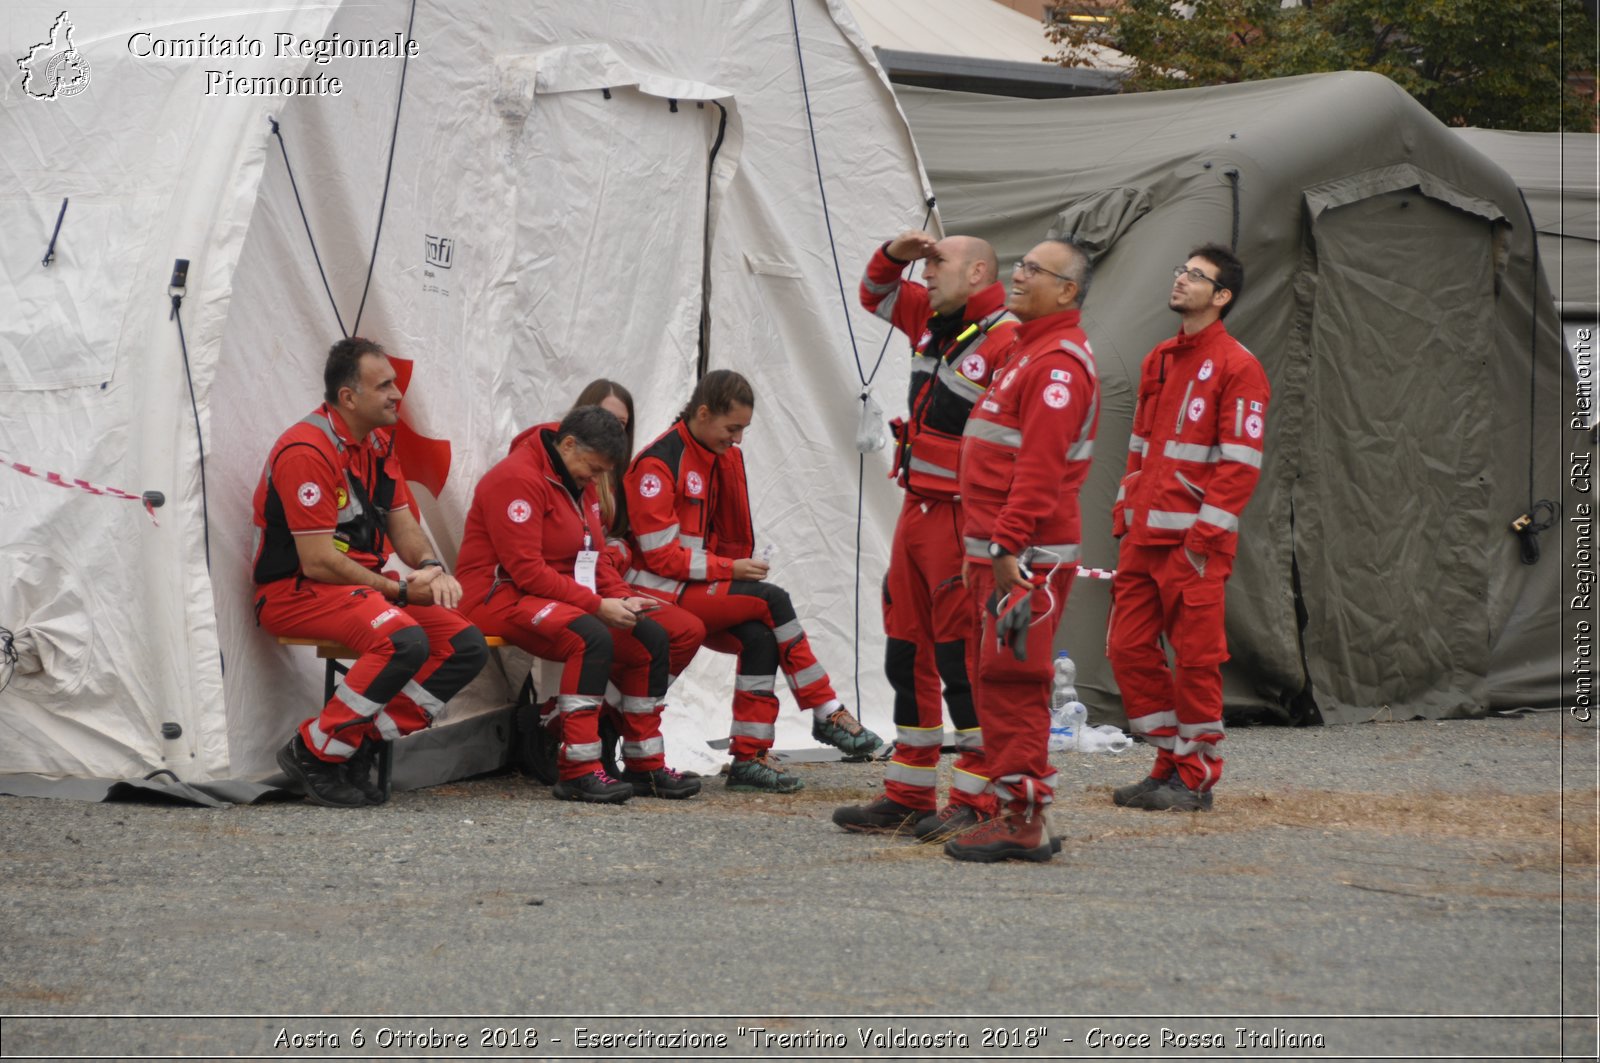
<point x="8" y="657"/>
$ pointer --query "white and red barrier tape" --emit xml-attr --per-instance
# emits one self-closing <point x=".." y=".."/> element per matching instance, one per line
<point x="1096" y="573"/>
<point x="150" y="499"/>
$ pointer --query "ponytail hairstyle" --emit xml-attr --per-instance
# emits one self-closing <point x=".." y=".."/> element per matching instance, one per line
<point x="719" y="391"/>
<point x="613" y="512"/>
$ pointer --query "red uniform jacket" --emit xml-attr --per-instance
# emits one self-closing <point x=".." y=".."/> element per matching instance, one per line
<point x="953" y="359"/>
<point x="1028" y="445"/>
<point x="688" y="513"/>
<point x="1195" y="455"/>
<point x="526" y="527"/>
<point x="320" y="480"/>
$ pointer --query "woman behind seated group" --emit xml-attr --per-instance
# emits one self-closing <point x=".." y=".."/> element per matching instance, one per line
<point x="688" y="510"/>
<point x="534" y="570"/>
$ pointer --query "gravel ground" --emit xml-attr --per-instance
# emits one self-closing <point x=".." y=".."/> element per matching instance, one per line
<point x="1411" y="889"/>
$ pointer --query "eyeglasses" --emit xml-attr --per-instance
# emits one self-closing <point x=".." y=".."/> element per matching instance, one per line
<point x="1196" y="275"/>
<point x="1033" y="269"/>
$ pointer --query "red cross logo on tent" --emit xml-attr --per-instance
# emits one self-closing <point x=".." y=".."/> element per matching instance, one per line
<point x="519" y="511"/>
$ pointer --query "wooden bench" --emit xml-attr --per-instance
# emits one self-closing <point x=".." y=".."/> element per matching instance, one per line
<point x="335" y="654"/>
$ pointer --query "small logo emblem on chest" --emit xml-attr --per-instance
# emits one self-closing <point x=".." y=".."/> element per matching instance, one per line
<point x="693" y="483"/>
<point x="1205" y="371"/>
<point x="1197" y="409"/>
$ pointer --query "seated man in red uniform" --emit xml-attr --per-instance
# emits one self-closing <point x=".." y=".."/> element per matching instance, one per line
<point x="535" y="572"/>
<point x="1024" y="457"/>
<point x="331" y="503"/>
<point x="691" y="538"/>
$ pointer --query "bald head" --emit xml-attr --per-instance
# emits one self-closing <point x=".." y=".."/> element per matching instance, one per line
<point x="957" y="267"/>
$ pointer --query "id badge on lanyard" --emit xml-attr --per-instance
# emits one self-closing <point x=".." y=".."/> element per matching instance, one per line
<point x="583" y="568"/>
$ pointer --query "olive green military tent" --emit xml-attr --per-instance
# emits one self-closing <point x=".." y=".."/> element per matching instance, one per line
<point x="1414" y="351"/>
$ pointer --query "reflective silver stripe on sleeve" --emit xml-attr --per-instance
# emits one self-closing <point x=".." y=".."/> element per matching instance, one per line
<point x="885" y="309"/>
<point x="576" y="702"/>
<point x="879" y="289"/>
<point x="968" y="783"/>
<point x="1169" y="521"/>
<point x="758" y="684"/>
<point x="991" y="432"/>
<point x="1242" y="454"/>
<point x="1059" y="553"/>
<point x="650" y="747"/>
<point x="919" y="737"/>
<point x="970" y="740"/>
<point x="910" y="775"/>
<point x="788" y="632"/>
<point x="359" y="704"/>
<point x="697" y="564"/>
<point x="746" y="729"/>
<point x="638" y="704"/>
<point x="1190" y="452"/>
<point x="1122" y="492"/>
<point x="578" y="752"/>
<point x="1138" y="445"/>
<point x="1143" y="725"/>
<point x="1220" y="517"/>
<point x="657" y="539"/>
<point x="806" y="676"/>
<point x="1083" y="355"/>
<point x="693" y="542"/>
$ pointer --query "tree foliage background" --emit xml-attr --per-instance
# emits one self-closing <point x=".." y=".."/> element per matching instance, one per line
<point x="1503" y="64"/>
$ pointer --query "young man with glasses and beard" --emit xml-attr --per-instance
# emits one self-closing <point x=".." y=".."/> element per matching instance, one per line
<point x="1194" y="459"/>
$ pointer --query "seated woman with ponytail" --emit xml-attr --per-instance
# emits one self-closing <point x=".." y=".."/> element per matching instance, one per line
<point x="691" y="540"/>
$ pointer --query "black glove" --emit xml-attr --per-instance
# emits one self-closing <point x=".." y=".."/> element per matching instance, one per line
<point x="1013" y="613"/>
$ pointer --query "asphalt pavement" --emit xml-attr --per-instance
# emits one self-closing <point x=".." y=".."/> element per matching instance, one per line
<point x="1385" y="890"/>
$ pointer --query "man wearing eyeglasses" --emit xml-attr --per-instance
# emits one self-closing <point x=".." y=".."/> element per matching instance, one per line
<point x="1024" y="456"/>
<point x="1193" y="461"/>
<point x="958" y="326"/>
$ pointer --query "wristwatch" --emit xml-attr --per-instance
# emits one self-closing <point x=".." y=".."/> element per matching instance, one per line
<point x="997" y="551"/>
<point x="431" y="563"/>
<point x="400" y="595"/>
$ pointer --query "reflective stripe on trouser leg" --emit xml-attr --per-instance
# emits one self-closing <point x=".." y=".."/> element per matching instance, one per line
<point x="912" y="777"/>
<point x="755" y="706"/>
<point x="970" y="763"/>
<point x="640" y="671"/>
<point x="1133" y="646"/>
<point x="348" y="718"/>
<point x="583" y="687"/>
<point x="807" y="679"/>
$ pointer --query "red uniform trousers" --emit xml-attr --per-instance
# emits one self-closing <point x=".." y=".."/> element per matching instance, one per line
<point x="756" y="620"/>
<point x="413" y="659"/>
<point x="928" y="621"/>
<point x="594" y="654"/>
<point x="1157" y="591"/>
<point x="1014" y="696"/>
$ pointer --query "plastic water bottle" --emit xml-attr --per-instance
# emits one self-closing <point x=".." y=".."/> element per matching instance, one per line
<point x="1067" y="714"/>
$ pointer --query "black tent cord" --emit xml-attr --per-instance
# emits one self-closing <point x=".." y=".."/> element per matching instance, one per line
<point x="306" y="221"/>
<point x="383" y="203"/>
<point x="1542" y="514"/>
<point x="199" y="438"/>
